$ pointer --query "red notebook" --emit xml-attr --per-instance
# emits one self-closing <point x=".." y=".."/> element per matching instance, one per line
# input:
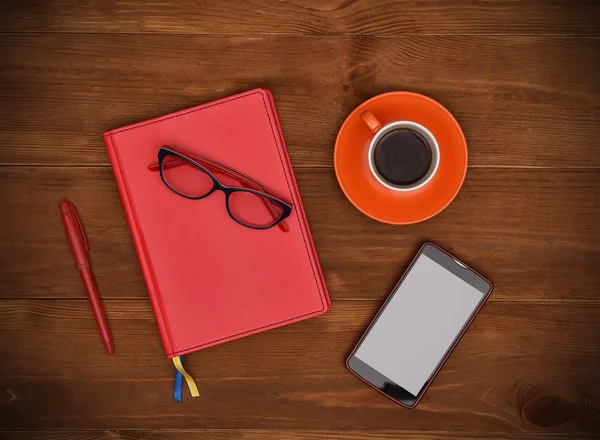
<point x="211" y="280"/>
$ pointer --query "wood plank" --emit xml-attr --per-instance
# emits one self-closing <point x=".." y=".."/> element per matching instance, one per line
<point x="302" y="17"/>
<point x="518" y="369"/>
<point x="278" y="434"/>
<point x="533" y="232"/>
<point x="522" y="101"/>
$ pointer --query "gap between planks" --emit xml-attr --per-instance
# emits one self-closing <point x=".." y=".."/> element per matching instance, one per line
<point x="337" y="300"/>
<point x="317" y="167"/>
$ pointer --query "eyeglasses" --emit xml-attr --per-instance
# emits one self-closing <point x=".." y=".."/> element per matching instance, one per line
<point x="191" y="176"/>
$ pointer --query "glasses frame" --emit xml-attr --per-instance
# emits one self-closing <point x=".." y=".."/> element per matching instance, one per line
<point x="268" y="199"/>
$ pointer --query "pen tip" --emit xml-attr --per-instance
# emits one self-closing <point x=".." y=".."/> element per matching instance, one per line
<point x="110" y="349"/>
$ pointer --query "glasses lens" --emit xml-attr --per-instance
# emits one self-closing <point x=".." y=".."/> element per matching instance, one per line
<point x="185" y="178"/>
<point x="254" y="210"/>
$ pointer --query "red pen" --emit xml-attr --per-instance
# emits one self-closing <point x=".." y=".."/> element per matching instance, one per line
<point x="81" y="251"/>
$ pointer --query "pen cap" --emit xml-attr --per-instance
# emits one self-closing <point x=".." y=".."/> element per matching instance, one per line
<point x="74" y="232"/>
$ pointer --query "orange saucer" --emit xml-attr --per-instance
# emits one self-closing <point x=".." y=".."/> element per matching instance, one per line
<point x="374" y="199"/>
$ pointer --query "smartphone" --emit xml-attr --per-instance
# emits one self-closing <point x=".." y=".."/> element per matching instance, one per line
<point x="419" y="325"/>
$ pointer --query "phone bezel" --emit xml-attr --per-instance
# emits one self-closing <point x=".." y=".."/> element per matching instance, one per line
<point x="383" y="384"/>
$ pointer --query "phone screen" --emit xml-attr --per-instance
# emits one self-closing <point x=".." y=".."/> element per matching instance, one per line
<point x="420" y="322"/>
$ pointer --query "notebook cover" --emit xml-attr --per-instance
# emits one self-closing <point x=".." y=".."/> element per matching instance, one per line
<point x="211" y="280"/>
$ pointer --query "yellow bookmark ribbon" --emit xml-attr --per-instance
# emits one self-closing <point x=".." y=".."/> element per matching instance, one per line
<point x="189" y="379"/>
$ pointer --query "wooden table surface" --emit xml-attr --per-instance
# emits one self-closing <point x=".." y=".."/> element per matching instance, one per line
<point x="521" y="77"/>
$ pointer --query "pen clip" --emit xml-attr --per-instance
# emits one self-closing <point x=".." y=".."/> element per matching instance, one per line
<point x="81" y="232"/>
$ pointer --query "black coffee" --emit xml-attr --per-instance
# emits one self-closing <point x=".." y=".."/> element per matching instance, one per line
<point x="402" y="157"/>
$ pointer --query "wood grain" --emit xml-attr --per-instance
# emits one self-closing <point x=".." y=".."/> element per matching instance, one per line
<point x="522" y="101"/>
<point x="278" y="434"/>
<point x="381" y="17"/>
<point x="534" y="233"/>
<point x="522" y="79"/>
<point x="542" y="377"/>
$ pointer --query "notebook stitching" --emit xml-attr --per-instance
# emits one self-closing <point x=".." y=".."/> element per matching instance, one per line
<point x="241" y="333"/>
<point x="289" y="189"/>
<point x="165" y="118"/>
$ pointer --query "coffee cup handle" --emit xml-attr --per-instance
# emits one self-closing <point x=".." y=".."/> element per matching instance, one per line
<point x="371" y="121"/>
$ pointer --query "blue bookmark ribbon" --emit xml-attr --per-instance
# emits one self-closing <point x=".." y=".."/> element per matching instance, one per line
<point x="178" y="383"/>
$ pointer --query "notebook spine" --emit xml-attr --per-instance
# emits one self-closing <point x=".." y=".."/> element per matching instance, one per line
<point x="137" y="240"/>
